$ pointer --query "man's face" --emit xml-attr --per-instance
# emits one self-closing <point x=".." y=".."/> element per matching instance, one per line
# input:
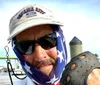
<point x="42" y="59"/>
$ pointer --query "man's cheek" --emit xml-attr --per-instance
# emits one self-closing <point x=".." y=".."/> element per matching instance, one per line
<point x="52" y="53"/>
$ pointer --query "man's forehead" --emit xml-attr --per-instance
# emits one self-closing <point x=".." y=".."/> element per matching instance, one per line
<point x="37" y="31"/>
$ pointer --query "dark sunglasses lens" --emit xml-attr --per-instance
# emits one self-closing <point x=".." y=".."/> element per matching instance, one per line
<point x="48" y="42"/>
<point x="25" y="47"/>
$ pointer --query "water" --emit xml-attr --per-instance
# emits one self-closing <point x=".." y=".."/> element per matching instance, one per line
<point x="4" y="74"/>
<point x="5" y="80"/>
<point x="3" y="62"/>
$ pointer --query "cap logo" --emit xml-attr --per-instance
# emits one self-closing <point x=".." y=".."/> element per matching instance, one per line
<point x="31" y="11"/>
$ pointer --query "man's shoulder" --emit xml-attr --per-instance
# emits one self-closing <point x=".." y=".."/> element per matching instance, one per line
<point x="26" y="81"/>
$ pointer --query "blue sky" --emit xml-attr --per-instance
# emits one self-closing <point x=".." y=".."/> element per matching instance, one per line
<point x="81" y="18"/>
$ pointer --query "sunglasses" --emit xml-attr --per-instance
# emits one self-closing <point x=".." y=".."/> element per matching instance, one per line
<point x="28" y="46"/>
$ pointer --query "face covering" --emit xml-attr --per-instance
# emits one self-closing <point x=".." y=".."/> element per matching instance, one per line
<point x="37" y="76"/>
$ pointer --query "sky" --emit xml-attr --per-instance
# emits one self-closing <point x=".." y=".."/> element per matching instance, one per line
<point x="81" y="18"/>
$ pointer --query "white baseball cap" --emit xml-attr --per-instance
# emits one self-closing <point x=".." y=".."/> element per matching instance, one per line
<point x="30" y="16"/>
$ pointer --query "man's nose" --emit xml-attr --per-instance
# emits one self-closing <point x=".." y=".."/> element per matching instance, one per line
<point x="39" y="52"/>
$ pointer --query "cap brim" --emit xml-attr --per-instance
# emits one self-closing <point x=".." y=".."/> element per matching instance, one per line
<point x="30" y="23"/>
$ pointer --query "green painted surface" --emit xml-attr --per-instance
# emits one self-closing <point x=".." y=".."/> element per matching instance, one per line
<point x="75" y="50"/>
<point x="10" y="57"/>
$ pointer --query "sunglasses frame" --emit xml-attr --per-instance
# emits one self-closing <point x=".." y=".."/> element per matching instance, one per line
<point x="49" y="44"/>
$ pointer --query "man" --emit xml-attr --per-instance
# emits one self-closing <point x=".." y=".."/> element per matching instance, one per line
<point x="39" y="44"/>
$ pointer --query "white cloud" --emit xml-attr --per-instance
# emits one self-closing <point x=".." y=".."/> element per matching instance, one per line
<point x="86" y="29"/>
<point x="76" y="23"/>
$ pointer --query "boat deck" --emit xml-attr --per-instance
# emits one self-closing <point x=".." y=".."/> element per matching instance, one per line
<point x="5" y="80"/>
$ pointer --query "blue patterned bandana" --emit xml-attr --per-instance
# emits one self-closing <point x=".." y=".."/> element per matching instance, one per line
<point x="55" y="75"/>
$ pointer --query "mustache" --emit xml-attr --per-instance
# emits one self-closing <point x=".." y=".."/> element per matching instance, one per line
<point x="44" y="62"/>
